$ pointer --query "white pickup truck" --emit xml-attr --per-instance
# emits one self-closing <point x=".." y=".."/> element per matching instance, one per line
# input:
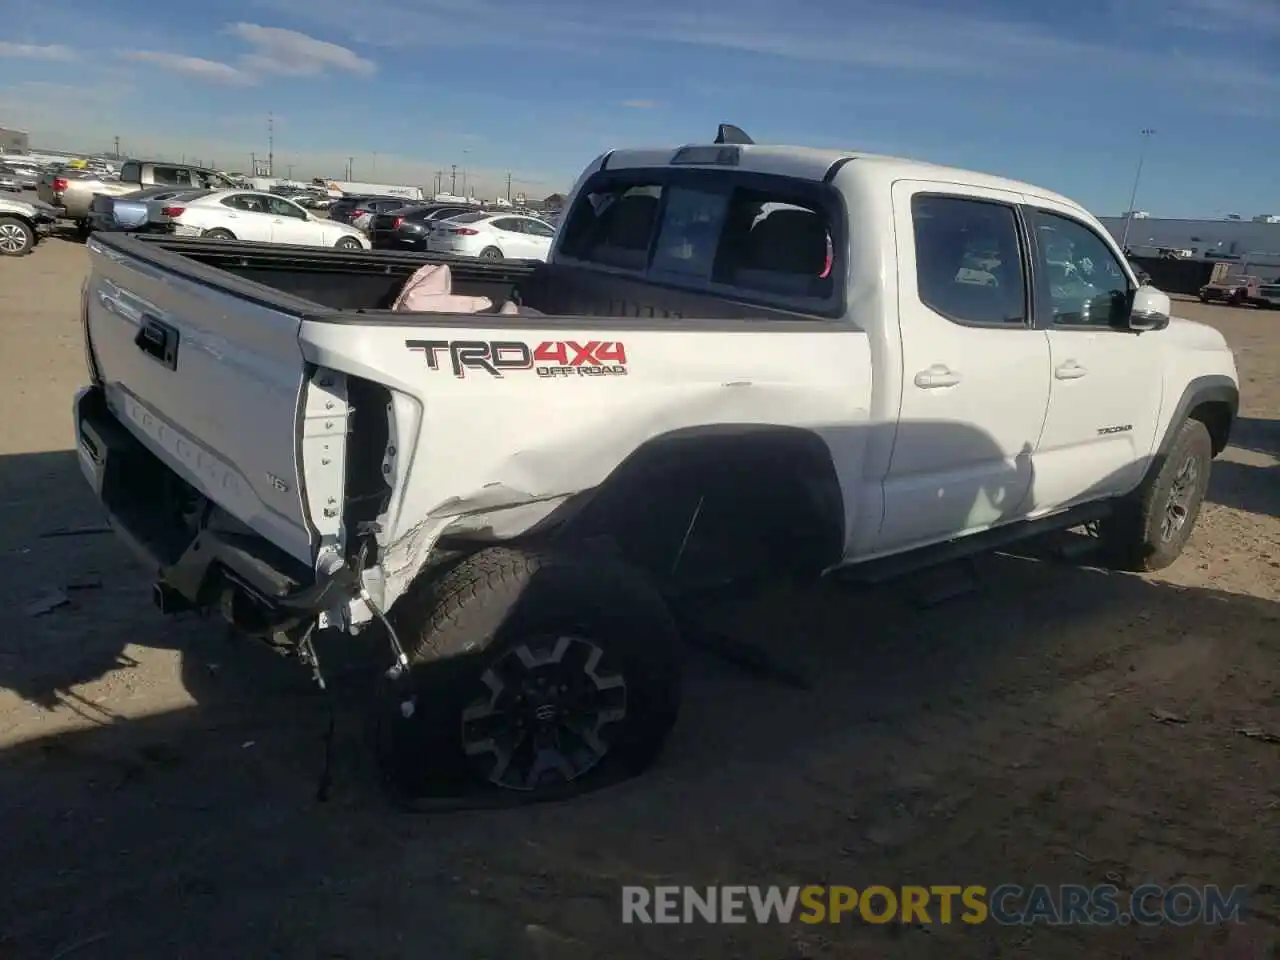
<point x="738" y="359"/>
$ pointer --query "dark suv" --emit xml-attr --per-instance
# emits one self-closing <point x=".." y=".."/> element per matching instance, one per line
<point x="347" y="209"/>
<point x="407" y="227"/>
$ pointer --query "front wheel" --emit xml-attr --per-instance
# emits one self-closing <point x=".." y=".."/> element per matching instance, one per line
<point x="348" y="243"/>
<point x="533" y="674"/>
<point x="490" y="253"/>
<point x="16" y="237"/>
<point x="1150" y="529"/>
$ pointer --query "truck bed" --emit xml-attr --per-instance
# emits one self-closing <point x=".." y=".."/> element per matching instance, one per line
<point x="338" y="285"/>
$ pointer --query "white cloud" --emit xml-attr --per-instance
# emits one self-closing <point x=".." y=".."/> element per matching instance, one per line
<point x="273" y="51"/>
<point x="214" y="71"/>
<point x="288" y="52"/>
<point x="33" y="51"/>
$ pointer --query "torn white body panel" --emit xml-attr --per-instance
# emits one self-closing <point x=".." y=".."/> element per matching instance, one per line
<point x="495" y="454"/>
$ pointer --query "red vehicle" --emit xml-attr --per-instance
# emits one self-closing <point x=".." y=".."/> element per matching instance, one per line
<point x="1236" y="290"/>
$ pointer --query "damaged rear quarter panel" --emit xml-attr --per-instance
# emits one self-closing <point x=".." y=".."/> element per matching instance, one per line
<point x="498" y="449"/>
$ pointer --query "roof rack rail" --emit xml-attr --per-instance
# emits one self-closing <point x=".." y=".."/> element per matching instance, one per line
<point x="728" y="133"/>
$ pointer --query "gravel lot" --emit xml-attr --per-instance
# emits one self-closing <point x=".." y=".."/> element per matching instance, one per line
<point x="158" y="783"/>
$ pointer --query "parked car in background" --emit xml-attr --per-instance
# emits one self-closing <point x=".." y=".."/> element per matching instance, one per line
<point x="143" y="211"/>
<point x="9" y="182"/>
<point x="1268" y="296"/>
<point x="407" y="227"/>
<point x="347" y="209"/>
<point x="1237" y="290"/>
<point x="22" y="224"/>
<point x="74" y="192"/>
<point x="27" y="175"/>
<point x="262" y="217"/>
<point x="492" y="236"/>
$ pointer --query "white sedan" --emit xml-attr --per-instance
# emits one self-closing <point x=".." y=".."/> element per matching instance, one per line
<point x="492" y="236"/>
<point x="264" y="217"/>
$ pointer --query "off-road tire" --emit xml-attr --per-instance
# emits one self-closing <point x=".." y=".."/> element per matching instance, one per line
<point x="1133" y="538"/>
<point x="218" y="233"/>
<point x="485" y="607"/>
<point x="20" y="239"/>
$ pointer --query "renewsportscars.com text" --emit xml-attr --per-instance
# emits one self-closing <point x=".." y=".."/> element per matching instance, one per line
<point x="1008" y="904"/>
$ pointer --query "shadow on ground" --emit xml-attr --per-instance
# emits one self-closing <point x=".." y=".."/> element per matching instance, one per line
<point x="1251" y="487"/>
<point x="1059" y="724"/>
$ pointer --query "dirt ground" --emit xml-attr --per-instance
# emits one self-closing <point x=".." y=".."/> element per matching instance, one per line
<point x="1061" y="724"/>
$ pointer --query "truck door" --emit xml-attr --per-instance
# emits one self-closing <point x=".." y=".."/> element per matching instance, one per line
<point x="975" y="370"/>
<point x="1106" y="383"/>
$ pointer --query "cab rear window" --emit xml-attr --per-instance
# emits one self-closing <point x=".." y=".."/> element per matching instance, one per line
<point x="764" y="239"/>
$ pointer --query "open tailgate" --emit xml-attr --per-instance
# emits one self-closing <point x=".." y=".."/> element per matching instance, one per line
<point x="208" y="377"/>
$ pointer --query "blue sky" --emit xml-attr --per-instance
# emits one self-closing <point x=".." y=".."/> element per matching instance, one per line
<point x="1054" y="93"/>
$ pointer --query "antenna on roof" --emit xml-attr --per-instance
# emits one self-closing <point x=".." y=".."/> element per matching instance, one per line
<point x="728" y="133"/>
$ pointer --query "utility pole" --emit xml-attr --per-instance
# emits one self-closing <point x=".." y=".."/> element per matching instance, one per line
<point x="1146" y="133"/>
<point x="351" y="168"/>
<point x="466" y="162"/>
<point x="289" y="168"/>
<point x="253" y="164"/>
<point x="453" y="180"/>
<point x="117" y="147"/>
<point x="508" y="186"/>
<point x="271" y="144"/>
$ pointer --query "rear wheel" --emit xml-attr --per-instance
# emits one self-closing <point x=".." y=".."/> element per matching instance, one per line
<point x="348" y="243"/>
<point x="218" y="233"/>
<point x="16" y="237"/>
<point x="532" y="673"/>
<point x="1150" y="529"/>
<point x="490" y="253"/>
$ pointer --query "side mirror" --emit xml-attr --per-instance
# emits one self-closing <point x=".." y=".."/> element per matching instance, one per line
<point x="1150" y="309"/>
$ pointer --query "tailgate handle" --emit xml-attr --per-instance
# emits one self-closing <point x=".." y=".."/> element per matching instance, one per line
<point x="158" y="340"/>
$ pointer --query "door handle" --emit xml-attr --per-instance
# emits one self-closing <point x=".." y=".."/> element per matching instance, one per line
<point x="1069" y="371"/>
<point x="938" y="375"/>
<point x="278" y="220"/>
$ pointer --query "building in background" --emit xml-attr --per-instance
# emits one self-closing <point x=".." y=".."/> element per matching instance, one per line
<point x="14" y="141"/>
<point x="1250" y="246"/>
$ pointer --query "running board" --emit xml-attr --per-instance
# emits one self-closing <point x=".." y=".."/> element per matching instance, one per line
<point x="889" y="568"/>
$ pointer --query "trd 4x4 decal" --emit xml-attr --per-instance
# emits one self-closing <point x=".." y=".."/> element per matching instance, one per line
<point x="549" y="359"/>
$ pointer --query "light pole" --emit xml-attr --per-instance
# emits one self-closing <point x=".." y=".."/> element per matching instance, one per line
<point x="1147" y="134"/>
